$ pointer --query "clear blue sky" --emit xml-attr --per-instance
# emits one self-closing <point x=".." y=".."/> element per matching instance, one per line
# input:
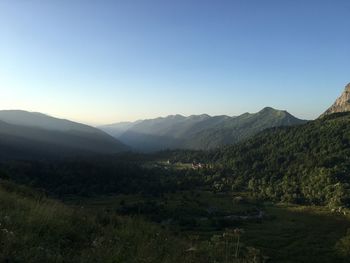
<point x="99" y="61"/>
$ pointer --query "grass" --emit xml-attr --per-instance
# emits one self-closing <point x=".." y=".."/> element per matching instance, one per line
<point x="36" y="229"/>
<point x="194" y="211"/>
<point x="299" y="234"/>
<point x="289" y="233"/>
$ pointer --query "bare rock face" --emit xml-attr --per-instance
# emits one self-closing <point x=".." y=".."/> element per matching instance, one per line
<point x="342" y="104"/>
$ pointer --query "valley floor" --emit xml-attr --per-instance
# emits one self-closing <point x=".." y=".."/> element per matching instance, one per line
<point x="280" y="232"/>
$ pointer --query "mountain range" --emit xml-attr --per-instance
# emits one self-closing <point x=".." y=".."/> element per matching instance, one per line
<point x="198" y="132"/>
<point x="33" y="134"/>
<point x="29" y="134"/>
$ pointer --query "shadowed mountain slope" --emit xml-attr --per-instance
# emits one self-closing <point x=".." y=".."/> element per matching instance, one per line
<point x="198" y="131"/>
<point x="24" y="134"/>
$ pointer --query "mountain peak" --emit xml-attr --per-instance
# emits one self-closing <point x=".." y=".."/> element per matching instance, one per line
<point x="268" y="109"/>
<point x="175" y="116"/>
<point x="342" y="104"/>
<point x="347" y="88"/>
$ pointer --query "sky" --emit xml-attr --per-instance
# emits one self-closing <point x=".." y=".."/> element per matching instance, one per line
<point x="104" y="61"/>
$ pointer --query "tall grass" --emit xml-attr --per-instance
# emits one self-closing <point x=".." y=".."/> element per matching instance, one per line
<point x="42" y="230"/>
<point x="35" y="229"/>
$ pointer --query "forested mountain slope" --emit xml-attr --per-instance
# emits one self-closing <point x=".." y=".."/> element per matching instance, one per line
<point x="307" y="163"/>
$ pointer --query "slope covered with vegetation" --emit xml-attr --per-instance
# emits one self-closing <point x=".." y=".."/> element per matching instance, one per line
<point x="237" y="129"/>
<point x="304" y="164"/>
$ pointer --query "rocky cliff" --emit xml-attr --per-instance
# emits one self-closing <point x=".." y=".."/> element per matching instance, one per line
<point x="342" y="104"/>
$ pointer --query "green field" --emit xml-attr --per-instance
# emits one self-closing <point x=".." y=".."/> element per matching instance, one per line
<point x="286" y="233"/>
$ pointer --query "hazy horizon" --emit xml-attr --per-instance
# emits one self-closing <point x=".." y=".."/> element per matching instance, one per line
<point x="141" y="119"/>
<point x="128" y="60"/>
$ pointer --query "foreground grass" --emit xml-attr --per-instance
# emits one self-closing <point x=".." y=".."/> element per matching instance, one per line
<point x="288" y="233"/>
<point x="299" y="234"/>
<point x="35" y="229"/>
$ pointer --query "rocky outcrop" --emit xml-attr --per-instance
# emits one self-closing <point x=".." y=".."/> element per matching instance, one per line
<point x="342" y="104"/>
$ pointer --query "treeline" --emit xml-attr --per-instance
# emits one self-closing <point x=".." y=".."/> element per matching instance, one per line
<point x="87" y="176"/>
<point x="84" y="176"/>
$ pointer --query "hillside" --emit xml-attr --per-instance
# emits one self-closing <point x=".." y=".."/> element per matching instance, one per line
<point x="304" y="164"/>
<point x="197" y="131"/>
<point x="39" y="120"/>
<point x="24" y="134"/>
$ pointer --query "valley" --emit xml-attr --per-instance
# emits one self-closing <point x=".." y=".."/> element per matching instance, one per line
<point x="281" y="195"/>
<point x="280" y="235"/>
<point x="186" y="131"/>
<point x="138" y="228"/>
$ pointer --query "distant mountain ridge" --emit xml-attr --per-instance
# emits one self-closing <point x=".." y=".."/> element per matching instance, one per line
<point x="342" y="104"/>
<point x="40" y="120"/>
<point x="117" y="130"/>
<point x="197" y="131"/>
<point x="25" y="134"/>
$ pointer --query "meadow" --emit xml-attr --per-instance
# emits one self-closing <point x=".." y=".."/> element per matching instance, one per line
<point x="285" y="232"/>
